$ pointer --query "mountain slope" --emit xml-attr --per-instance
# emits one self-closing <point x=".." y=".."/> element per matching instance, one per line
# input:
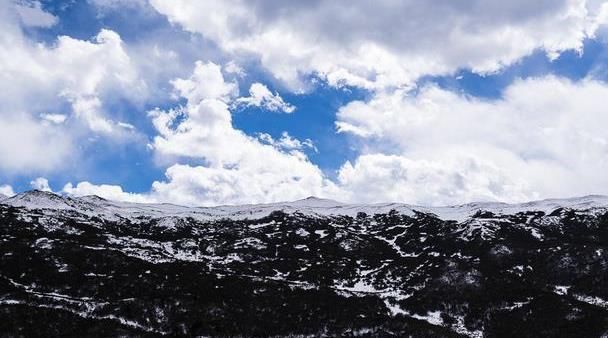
<point x="97" y="206"/>
<point x="309" y="268"/>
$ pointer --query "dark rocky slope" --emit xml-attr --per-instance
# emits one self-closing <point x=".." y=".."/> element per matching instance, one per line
<point x="70" y="272"/>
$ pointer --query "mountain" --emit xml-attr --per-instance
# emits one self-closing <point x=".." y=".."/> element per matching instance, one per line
<point x="92" y="267"/>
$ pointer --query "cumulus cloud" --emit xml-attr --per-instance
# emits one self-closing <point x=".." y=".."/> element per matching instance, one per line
<point x="6" y="190"/>
<point x="261" y="96"/>
<point x="26" y="145"/>
<point x="75" y="71"/>
<point x="70" y="77"/>
<point x="41" y="184"/>
<point x="111" y="192"/>
<point x="350" y="45"/>
<point x="234" y="68"/>
<point x="106" y="67"/>
<point x="543" y="138"/>
<point x="380" y="177"/>
<point x="32" y="14"/>
<point x="54" y="118"/>
<point x="238" y="168"/>
<point x="287" y="142"/>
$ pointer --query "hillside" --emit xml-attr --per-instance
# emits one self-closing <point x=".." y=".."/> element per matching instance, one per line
<point x="89" y="266"/>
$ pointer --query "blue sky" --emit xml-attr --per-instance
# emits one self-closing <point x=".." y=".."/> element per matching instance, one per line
<point x="497" y="102"/>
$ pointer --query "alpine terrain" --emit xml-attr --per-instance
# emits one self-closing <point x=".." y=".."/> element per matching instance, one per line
<point x="311" y="268"/>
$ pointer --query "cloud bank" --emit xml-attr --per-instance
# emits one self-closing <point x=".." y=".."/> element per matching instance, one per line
<point x="543" y="138"/>
<point x="379" y="44"/>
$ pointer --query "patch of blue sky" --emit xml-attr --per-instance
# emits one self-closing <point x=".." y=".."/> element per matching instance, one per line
<point x="570" y="64"/>
<point x="314" y="119"/>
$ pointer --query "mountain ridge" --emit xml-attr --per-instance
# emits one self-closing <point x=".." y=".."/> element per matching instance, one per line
<point x="306" y="268"/>
<point x="36" y="199"/>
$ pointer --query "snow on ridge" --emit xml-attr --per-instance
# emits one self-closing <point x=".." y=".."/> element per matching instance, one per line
<point x="97" y="206"/>
<point x="36" y="199"/>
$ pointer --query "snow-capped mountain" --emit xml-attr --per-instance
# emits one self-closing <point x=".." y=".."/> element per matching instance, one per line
<point x="313" y="267"/>
<point x="97" y="206"/>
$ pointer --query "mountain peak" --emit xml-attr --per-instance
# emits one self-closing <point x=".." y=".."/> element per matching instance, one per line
<point x="38" y="194"/>
<point x="38" y="199"/>
<point x="313" y="201"/>
<point x="92" y="198"/>
<point x="312" y="198"/>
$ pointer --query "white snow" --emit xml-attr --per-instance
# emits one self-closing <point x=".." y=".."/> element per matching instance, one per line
<point x="561" y="290"/>
<point x="394" y="308"/>
<point x="302" y="232"/>
<point x="96" y="206"/>
<point x="431" y="317"/>
<point x="250" y="242"/>
<point x="261" y="225"/>
<point x="597" y="301"/>
<point x="43" y="243"/>
<point x="322" y="233"/>
<point x="536" y="233"/>
<point x="459" y="327"/>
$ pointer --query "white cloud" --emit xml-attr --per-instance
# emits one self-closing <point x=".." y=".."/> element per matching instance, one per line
<point x="125" y="125"/>
<point x="379" y="177"/>
<point x="32" y="14"/>
<point x="233" y="68"/>
<point x="111" y="192"/>
<point x="261" y="96"/>
<point x="287" y="142"/>
<point x="54" y="118"/>
<point x="205" y="83"/>
<point x="238" y="168"/>
<point x="544" y="138"/>
<point x="41" y="184"/>
<point x="27" y="144"/>
<point x="378" y="44"/>
<point x="117" y="4"/>
<point x="106" y="67"/>
<point x="73" y="75"/>
<point x="199" y="185"/>
<point x="72" y="70"/>
<point x="6" y="190"/>
<point x="88" y="108"/>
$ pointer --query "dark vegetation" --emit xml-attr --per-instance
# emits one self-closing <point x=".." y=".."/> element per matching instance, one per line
<point x="67" y="274"/>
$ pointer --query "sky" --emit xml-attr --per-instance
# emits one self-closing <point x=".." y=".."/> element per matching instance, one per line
<point x="256" y="101"/>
